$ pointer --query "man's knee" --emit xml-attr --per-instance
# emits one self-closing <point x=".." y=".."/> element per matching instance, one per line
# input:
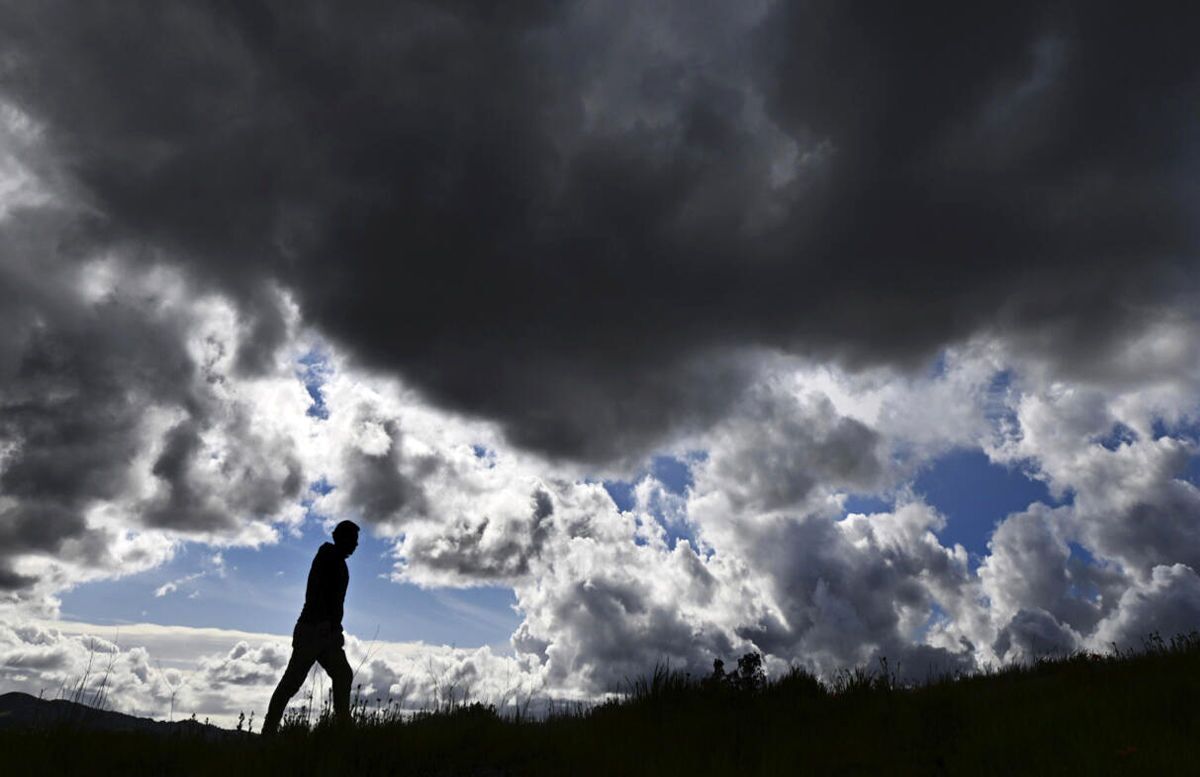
<point x="293" y="678"/>
<point x="288" y="686"/>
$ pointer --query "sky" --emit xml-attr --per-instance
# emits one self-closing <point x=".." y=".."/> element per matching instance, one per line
<point x="629" y="332"/>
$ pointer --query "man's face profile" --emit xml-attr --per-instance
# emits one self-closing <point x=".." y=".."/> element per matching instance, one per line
<point x="346" y="542"/>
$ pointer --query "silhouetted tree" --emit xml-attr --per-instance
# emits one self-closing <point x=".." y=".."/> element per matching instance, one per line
<point x="750" y="673"/>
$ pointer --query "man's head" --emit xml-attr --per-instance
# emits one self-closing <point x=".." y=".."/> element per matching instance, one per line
<point x="345" y="537"/>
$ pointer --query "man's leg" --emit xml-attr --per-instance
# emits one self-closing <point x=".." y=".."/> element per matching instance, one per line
<point x="293" y="677"/>
<point x="333" y="661"/>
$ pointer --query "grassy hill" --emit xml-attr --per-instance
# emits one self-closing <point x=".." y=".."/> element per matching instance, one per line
<point x="1136" y="713"/>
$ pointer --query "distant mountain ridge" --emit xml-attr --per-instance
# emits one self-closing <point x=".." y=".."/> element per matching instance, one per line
<point x="21" y="710"/>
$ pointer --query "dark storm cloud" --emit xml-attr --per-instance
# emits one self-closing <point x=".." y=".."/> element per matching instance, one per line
<point x="11" y="581"/>
<point x="1014" y="165"/>
<point x="80" y="378"/>
<point x="564" y="220"/>
<point x="71" y="378"/>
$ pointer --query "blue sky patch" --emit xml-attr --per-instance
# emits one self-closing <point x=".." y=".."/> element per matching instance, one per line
<point x="997" y="409"/>
<point x="1079" y="552"/>
<point x="937" y="366"/>
<point x="1191" y="473"/>
<point x="484" y="454"/>
<point x="974" y="494"/>
<point x="675" y="474"/>
<point x="315" y="371"/>
<point x="866" y="504"/>
<point x="1188" y="428"/>
<point x="621" y="492"/>
<point x="937" y="614"/>
<point x="1119" y="435"/>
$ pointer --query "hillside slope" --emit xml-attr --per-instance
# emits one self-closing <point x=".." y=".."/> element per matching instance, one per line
<point x="23" y="712"/>
<point x="1083" y="714"/>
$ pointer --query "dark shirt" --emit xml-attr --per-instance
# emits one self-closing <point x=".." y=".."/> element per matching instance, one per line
<point x="326" y="593"/>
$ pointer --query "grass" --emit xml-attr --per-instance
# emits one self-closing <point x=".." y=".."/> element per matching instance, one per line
<point x="1086" y="713"/>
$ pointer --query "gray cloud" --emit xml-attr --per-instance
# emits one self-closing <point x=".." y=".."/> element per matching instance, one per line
<point x="1028" y="569"/>
<point x="564" y="221"/>
<point x="603" y="613"/>
<point x="1167" y="604"/>
<point x="774" y="453"/>
<point x="1034" y="634"/>
<point x="1160" y="526"/>
<point x="483" y="548"/>
<point x="383" y="486"/>
<point x="245" y="665"/>
<point x="258" y="474"/>
<point x="848" y="592"/>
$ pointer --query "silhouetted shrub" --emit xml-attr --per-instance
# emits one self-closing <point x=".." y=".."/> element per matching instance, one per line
<point x="749" y="675"/>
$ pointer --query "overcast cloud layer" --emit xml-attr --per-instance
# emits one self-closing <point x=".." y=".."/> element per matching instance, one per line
<point x="563" y="216"/>
<point x="805" y="247"/>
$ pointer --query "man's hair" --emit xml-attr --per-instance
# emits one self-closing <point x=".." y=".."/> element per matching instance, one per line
<point x="344" y="529"/>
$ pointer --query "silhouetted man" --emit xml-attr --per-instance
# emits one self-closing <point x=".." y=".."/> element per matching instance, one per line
<point x="318" y="633"/>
